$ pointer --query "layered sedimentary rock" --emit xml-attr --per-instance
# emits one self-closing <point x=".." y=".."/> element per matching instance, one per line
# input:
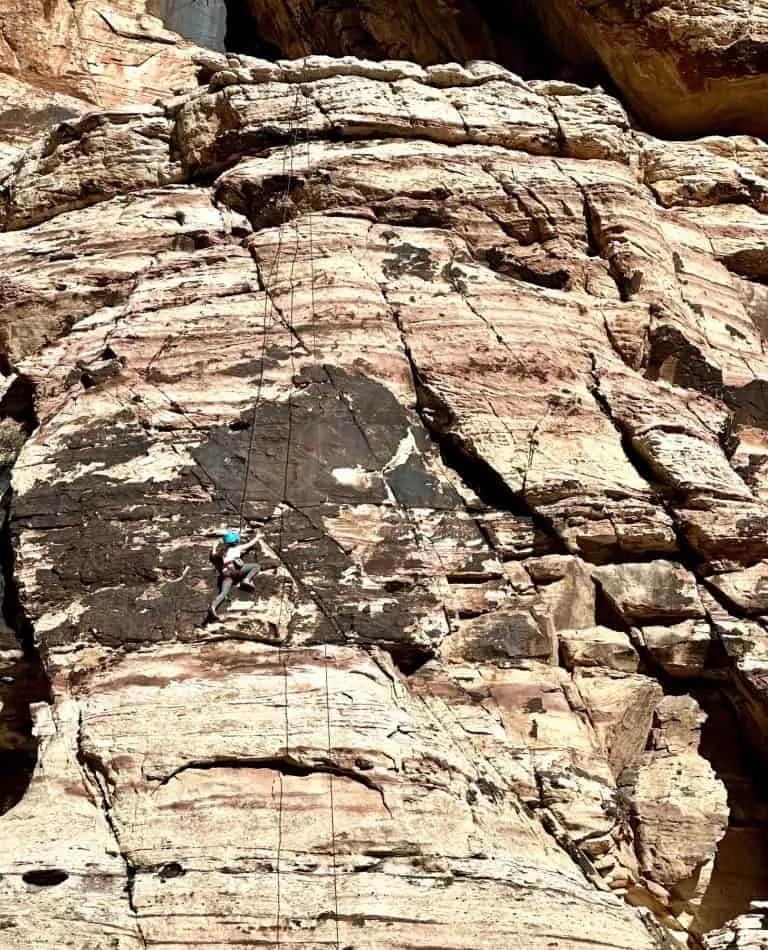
<point x="481" y="369"/>
<point x="683" y="69"/>
<point x="61" y="59"/>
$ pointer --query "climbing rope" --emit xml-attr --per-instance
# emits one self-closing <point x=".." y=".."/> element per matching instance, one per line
<point x="269" y="307"/>
<point x="280" y="652"/>
<point x="315" y="356"/>
<point x="288" y="320"/>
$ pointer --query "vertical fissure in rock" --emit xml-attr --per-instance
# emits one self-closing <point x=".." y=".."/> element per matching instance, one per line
<point x="687" y="555"/>
<point x="23" y="680"/>
<point x="740" y="872"/>
<point x="477" y="474"/>
<point x="95" y="779"/>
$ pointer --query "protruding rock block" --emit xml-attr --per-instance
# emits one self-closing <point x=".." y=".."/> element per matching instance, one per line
<point x="650" y="591"/>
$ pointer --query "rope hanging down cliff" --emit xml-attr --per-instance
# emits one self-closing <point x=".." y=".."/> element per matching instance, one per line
<point x="288" y="322"/>
<point x="286" y="464"/>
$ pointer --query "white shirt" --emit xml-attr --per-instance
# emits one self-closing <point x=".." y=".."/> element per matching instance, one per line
<point x="233" y="553"/>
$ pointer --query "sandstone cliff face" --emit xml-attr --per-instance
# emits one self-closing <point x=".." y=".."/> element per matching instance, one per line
<point x="684" y="68"/>
<point x="60" y="58"/>
<point x="481" y="366"/>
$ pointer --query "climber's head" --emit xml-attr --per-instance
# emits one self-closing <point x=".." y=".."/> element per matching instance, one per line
<point x="231" y="537"/>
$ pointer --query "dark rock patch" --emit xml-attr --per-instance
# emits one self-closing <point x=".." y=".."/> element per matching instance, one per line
<point x="134" y="555"/>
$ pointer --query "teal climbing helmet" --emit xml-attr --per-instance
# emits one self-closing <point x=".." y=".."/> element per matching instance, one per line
<point x="231" y="537"/>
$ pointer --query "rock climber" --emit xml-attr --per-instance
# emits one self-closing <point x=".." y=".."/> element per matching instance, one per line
<point x="227" y="556"/>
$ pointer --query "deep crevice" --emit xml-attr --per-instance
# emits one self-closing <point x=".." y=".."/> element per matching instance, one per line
<point x="511" y="34"/>
<point x="740" y="874"/>
<point x="242" y="33"/>
<point x="18" y="404"/>
<point x="23" y="679"/>
<point x="476" y="474"/>
<point x="96" y="781"/>
<point x="409" y="658"/>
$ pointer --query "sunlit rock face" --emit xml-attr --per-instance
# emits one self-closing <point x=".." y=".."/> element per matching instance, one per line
<point x="481" y="368"/>
<point x="202" y="21"/>
<point x="683" y="68"/>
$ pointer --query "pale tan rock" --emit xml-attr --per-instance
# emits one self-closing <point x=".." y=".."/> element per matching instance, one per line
<point x="159" y="798"/>
<point x="680" y="68"/>
<point x="470" y="388"/>
<point x="27" y="111"/>
<point x="681" y="649"/>
<point x="48" y="286"/>
<point x="746" y="932"/>
<point x="566" y="586"/>
<point x="746" y="589"/>
<point x="666" y="428"/>
<point x="102" y="53"/>
<point x="677" y="831"/>
<point x="598" y="646"/>
<point x="513" y="633"/>
<point x="61" y="827"/>
<point x="728" y="532"/>
<point x="88" y="160"/>
<point x="714" y="170"/>
<point x="621" y="710"/>
<point x="678" y="724"/>
<point x="738" y="237"/>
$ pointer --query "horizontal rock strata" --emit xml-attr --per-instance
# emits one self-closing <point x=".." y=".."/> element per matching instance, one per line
<point x="481" y="369"/>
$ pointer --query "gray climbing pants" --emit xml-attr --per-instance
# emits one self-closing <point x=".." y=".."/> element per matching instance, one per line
<point x="244" y="576"/>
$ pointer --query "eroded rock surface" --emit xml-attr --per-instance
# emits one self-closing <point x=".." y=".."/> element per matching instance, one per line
<point x="485" y="379"/>
<point x="682" y="68"/>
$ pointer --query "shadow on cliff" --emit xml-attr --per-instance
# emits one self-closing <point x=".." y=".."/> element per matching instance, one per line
<point x="23" y="679"/>
<point x="740" y="874"/>
<point x="507" y="33"/>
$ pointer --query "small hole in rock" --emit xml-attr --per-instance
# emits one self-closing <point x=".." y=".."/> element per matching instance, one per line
<point x="168" y="871"/>
<point x="87" y="381"/>
<point x="108" y="353"/>
<point x="239" y="426"/>
<point x="408" y="657"/>
<point x="396" y="585"/>
<point x="47" y="877"/>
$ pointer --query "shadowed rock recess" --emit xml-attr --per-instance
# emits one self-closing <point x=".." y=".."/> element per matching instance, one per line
<point x="481" y="367"/>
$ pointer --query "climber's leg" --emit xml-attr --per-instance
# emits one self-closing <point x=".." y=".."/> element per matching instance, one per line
<point x="250" y="571"/>
<point x="226" y="587"/>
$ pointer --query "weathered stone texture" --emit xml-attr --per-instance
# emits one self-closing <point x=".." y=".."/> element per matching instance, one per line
<point x="484" y="380"/>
